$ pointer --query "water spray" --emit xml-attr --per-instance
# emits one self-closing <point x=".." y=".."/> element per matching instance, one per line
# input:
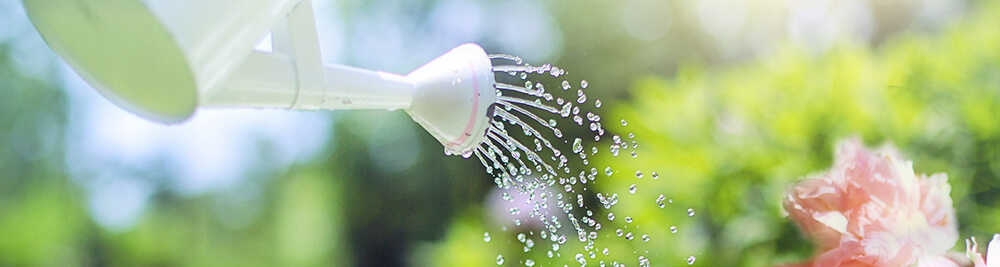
<point x="163" y="59"/>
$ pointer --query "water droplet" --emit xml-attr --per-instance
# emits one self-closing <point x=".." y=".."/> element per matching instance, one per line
<point x="577" y="145"/>
<point x="673" y="229"/>
<point x="565" y="85"/>
<point x="580" y="259"/>
<point x="619" y="232"/>
<point x="611" y="216"/>
<point x="629" y="236"/>
<point x="608" y="171"/>
<point x="605" y="251"/>
<point x="638" y="174"/>
<point x="634" y="154"/>
<point x="645" y="238"/>
<point x="581" y="99"/>
<point x="690" y="260"/>
<point x="520" y="237"/>
<point x="500" y="259"/>
<point x="566" y="110"/>
<point x="656" y="176"/>
<point x="524" y="75"/>
<point x="584" y="84"/>
<point x="659" y="201"/>
<point x="628" y="219"/>
<point x="597" y="103"/>
<point x="690" y="212"/>
<point x="529" y="263"/>
<point x="643" y="261"/>
<point x="632" y="188"/>
<point x="486" y="237"/>
<point x="552" y="122"/>
<point x="624" y="123"/>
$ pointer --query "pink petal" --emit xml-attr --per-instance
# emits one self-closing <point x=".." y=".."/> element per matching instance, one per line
<point x="993" y="252"/>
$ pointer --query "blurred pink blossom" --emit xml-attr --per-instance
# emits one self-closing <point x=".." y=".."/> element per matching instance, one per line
<point x="992" y="258"/>
<point x="871" y="209"/>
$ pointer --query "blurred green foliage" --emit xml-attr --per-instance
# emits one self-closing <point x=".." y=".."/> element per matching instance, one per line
<point x="728" y="142"/>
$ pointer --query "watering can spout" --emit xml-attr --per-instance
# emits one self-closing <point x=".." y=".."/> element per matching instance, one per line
<point x="451" y="96"/>
<point x="454" y="97"/>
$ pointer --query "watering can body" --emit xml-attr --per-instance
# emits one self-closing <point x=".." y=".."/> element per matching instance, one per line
<point x="162" y="59"/>
<point x="156" y="58"/>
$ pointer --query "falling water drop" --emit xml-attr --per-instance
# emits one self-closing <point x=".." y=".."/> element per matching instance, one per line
<point x="643" y="261"/>
<point x="577" y="145"/>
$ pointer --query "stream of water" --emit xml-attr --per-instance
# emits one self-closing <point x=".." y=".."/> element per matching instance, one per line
<point x="526" y="150"/>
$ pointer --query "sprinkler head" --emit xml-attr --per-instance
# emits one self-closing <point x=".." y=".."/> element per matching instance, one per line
<point x="454" y="96"/>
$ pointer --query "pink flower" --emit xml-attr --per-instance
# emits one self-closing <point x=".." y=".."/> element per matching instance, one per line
<point x="871" y="209"/>
<point x="992" y="252"/>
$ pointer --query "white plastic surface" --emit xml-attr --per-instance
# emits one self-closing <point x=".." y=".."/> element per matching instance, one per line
<point x="156" y="58"/>
<point x="163" y="58"/>
<point x="454" y="94"/>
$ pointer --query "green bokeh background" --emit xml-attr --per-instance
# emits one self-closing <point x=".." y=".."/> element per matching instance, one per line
<point x="727" y="135"/>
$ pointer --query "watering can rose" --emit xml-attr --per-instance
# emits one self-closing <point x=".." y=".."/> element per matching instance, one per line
<point x="871" y="209"/>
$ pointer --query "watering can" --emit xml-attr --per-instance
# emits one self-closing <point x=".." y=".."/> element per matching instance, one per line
<point x="163" y="59"/>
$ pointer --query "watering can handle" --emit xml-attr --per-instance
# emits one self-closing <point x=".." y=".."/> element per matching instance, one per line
<point x="293" y="75"/>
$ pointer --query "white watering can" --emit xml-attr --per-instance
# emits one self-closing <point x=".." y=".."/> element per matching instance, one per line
<point x="161" y="59"/>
